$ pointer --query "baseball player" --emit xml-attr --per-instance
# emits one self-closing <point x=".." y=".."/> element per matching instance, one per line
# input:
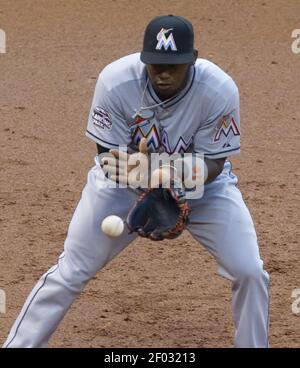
<point x="164" y="99"/>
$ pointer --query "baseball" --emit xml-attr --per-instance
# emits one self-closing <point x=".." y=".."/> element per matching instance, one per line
<point x="112" y="226"/>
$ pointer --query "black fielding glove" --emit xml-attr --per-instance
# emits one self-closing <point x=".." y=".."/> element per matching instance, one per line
<point x="159" y="213"/>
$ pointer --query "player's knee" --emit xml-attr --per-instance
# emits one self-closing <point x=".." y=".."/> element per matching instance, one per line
<point x="250" y="272"/>
<point x="72" y="277"/>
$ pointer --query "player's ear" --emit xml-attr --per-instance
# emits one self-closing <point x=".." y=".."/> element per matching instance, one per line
<point x="195" y="55"/>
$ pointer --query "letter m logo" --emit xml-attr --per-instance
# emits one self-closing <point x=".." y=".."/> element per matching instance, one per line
<point x="165" y="42"/>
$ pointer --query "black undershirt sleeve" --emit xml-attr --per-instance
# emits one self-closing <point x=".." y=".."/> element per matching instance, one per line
<point x="101" y="149"/>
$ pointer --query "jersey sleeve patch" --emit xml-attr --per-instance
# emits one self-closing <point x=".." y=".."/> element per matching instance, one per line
<point x="225" y="127"/>
<point x="102" y="118"/>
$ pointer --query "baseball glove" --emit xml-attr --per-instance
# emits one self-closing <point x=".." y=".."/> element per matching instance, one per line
<point x="159" y="213"/>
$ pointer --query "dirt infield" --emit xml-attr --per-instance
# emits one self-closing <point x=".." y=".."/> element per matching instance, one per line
<point x="151" y="295"/>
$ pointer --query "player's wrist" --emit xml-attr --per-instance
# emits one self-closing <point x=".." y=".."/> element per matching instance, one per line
<point x="191" y="169"/>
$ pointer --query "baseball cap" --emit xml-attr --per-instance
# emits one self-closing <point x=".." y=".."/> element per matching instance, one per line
<point x="168" y="39"/>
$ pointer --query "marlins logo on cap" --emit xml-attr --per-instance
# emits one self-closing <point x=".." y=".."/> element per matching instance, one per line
<point x="168" y="39"/>
<point x="164" y="42"/>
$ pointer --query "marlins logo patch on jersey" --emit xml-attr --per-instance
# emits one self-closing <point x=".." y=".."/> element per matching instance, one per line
<point x="225" y="126"/>
<point x="101" y="118"/>
<point x="165" y="42"/>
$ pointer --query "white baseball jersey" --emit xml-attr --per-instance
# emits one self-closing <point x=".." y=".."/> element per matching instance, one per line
<point x="203" y="117"/>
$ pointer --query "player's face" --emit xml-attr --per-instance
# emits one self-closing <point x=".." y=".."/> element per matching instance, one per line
<point x="168" y="79"/>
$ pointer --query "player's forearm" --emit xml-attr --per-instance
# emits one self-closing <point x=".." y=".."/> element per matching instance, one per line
<point x="193" y="169"/>
<point x="213" y="168"/>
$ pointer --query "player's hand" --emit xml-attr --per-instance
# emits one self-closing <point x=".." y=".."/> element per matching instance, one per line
<point x="126" y="168"/>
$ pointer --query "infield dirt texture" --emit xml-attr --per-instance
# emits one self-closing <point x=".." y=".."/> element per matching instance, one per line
<point x="163" y="294"/>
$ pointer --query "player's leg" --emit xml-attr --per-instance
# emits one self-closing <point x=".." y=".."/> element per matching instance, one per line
<point x="86" y="251"/>
<point x="222" y="223"/>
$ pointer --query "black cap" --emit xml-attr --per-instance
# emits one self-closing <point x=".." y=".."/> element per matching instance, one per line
<point x="168" y="39"/>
